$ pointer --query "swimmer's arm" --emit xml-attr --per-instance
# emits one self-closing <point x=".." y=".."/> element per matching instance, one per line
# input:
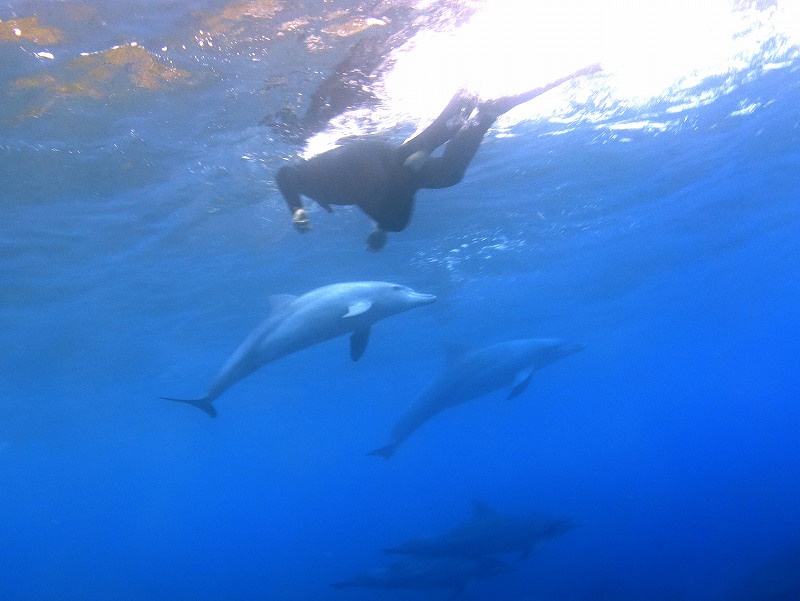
<point x="287" y="179"/>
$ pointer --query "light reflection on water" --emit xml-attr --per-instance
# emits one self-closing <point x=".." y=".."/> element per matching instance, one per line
<point x="675" y="56"/>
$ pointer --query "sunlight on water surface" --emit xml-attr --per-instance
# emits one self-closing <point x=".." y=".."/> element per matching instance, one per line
<point x="679" y="54"/>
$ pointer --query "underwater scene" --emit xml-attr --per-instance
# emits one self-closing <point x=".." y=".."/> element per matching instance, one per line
<point x="350" y="300"/>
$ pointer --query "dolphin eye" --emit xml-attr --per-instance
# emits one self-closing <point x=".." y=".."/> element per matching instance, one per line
<point x="396" y="287"/>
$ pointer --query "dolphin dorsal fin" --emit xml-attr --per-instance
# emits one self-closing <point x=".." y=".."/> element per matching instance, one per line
<point x="357" y="308"/>
<point x="481" y="509"/>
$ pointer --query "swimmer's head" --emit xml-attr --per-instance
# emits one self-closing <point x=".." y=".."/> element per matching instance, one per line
<point x="376" y="240"/>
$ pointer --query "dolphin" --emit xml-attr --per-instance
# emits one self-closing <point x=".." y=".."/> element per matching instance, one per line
<point x="488" y="532"/>
<point x="297" y="322"/>
<point x="474" y="374"/>
<point x="423" y="573"/>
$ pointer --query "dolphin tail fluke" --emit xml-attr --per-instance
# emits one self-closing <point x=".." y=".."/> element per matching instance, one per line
<point x="203" y="404"/>
<point x="385" y="452"/>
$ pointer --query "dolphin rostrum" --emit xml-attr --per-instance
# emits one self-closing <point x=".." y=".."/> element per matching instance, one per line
<point x="297" y="322"/>
<point x="488" y="532"/>
<point x="475" y="374"/>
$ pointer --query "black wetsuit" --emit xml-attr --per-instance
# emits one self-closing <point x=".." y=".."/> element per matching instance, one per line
<point x="373" y="175"/>
<point x="378" y="176"/>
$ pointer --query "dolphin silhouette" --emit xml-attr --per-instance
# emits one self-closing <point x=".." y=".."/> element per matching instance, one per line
<point x="475" y="374"/>
<point x="488" y="532"/>
<point x="297" y="322"/>
<point x="424" y="573"/>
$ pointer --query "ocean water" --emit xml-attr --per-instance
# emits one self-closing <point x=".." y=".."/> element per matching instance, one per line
<point x="650" y="212"/>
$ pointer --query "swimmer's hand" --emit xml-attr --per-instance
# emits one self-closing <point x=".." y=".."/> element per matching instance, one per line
<point x="376" y="240"/>
<point x="300" y="221"/>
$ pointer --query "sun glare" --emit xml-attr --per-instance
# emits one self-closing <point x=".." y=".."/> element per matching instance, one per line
<point x="646" y="48"/>
<point x="659" y="50"/>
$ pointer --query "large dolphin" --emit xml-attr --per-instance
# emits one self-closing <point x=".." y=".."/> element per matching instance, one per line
<point x="488" y="532"/>
<point x="474" y="374"/>
<point x="422" y="573"/>
<point x="297" y="322"/>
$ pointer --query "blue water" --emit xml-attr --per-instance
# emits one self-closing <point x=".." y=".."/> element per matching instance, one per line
<point x="142" y="234"/>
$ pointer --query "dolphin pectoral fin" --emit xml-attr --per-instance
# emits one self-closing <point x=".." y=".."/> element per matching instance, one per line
<point x="521" y="382"/>
<point x="357" y="308"/>
<point x="385" y="452"/>
<point x="202" y="404"/>
<point x="358" y="343"/>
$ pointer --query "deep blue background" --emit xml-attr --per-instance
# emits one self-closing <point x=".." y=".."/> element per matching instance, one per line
<point x="138" y="246"/>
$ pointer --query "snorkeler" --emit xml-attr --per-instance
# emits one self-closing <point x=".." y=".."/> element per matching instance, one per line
<point x="382" y="178"/>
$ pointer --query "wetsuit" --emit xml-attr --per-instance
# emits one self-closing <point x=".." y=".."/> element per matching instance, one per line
<point x="382" y="178"/>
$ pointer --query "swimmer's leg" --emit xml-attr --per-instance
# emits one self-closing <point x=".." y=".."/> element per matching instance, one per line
<point x="443" y="128"/>
<point x="449" y="169"/>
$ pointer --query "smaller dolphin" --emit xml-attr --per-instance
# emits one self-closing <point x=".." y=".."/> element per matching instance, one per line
<point x="488" y="532"/>
<point x="475" y="374"/>
<point x="296" y="323"/>
<point x="423" y="573"/>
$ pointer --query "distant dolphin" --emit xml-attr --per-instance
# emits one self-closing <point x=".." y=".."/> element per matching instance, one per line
<point x="423" y="573"/>
<point x="488" y="532"/>
<point x="296" y="323"/>
<point x="475" y="374"/>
